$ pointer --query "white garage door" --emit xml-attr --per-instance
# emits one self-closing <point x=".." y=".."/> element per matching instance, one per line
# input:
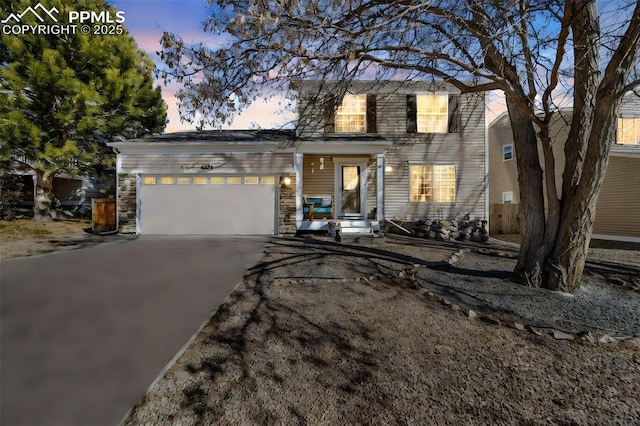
<point x="212" y="205"/>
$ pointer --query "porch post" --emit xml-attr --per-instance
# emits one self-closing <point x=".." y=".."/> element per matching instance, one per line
<point x="380" y="187"/>
<point x="297" y="165"/>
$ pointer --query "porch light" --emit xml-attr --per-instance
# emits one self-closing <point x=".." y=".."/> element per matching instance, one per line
<point x="388" y="169"/>
<point x="286" y="181"/>
<point x="321" y="163"/>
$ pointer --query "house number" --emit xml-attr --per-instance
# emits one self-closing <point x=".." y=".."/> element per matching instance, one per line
<point x="206" y="167"/>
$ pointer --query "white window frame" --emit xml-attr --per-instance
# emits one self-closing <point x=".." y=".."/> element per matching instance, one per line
<point x="504" y="153"/>
<point x="430" y="118"/>
<point x="633" y="129"/>
<point x="437" y="188"/>
<point x="507" y="197"/>
<point x="351" y="115"/>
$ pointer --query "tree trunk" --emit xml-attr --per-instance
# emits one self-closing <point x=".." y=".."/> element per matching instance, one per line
<point x="43" y="196"/>
<point x="533" y="250"/>
<point x="566" y="262"/>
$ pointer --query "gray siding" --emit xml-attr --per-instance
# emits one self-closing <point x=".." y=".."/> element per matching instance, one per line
<point x="464" y="149"/>
<point x="191" y="163"/>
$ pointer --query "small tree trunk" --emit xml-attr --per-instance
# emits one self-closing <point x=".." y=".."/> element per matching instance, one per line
<point x="43" y="196"/>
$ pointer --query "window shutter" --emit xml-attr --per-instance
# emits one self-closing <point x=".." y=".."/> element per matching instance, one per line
<point x="330" y="115"/>
<point x="454" y="115"/>
<point x="412" y="114"/>
<point x="371" y="114"/>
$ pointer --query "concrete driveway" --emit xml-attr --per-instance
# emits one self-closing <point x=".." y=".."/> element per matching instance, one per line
<point x="85" y="332"/>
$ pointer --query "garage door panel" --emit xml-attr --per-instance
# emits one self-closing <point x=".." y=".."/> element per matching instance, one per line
<point x="211" y="209"/>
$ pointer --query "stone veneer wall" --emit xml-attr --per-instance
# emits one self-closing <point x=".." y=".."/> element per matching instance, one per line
<point x="287" y="216"/>
<point x="127" y="185"/>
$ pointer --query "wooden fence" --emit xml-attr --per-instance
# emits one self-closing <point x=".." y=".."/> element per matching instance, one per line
<point x="103" y="217"/>
<point x="504" y="219"/>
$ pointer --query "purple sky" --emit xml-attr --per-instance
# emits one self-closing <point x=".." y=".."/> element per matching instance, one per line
<point x="146" y="20"/>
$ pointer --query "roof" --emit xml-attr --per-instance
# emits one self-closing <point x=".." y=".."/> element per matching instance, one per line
<point x="210" y="141"/>
<point x="213" y="137"/>
<point x="219" y="141"/>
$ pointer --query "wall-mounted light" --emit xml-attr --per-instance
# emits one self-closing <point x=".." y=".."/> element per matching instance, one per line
<point x="388" y="169"/>
<point x="285" y="182"/>
<point x="321" y="163"/>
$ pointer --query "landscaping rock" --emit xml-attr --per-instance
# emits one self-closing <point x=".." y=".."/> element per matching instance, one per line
<point x="560" y="335"/>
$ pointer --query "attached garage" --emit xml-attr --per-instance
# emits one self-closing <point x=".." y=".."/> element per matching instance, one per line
<point x="206" y="183"/>
<point x="218" y="205"/>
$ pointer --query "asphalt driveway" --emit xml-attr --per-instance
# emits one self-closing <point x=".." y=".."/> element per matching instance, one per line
<point x="85" y="332"/>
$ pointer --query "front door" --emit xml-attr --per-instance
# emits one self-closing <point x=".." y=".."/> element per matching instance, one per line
<point x="350" y="190"/>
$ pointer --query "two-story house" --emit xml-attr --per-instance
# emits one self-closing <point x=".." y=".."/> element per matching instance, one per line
<point x="619" y="201"/>
<point x="382" y="150"/>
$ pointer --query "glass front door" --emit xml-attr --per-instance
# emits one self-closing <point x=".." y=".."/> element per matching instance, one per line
<point x="351" y="203"/>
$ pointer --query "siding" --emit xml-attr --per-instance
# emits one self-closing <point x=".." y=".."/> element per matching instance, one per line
<point x="318" y="182"/>
<point x="620" y="194"/>
<point x="504" y="174"/>
<point x="190" y="163"/>
<point x="618" y="205"/>
<point x="465" y="149"/>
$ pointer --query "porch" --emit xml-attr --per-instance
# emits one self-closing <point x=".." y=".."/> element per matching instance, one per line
<point x="340" y="180"/>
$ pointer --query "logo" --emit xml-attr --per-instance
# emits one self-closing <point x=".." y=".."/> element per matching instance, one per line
<point x="43" y="11"/>
<point x="105" y="22"/>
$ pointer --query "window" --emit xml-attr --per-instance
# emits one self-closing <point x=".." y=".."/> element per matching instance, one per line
<point x="351" y="115"/>
<point x="628" y="131"/>
<point x="268" y="180"/>
<point x="251" y="180"/>
<point x="217" y="180"/>
<point x="507" y="197"/>
<point x="234" y="180"/>
<point x="507" y="152"/>
<point x="200" y="180"/>
<point x="184" y="180"/>
<point x="166" y="180"/>
<point x="433" y="183"/>
<point x="432" y="113"/>
<point x="149" y="180"/>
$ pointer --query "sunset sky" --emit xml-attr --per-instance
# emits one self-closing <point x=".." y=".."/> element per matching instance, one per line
<point x="146" y="20"/>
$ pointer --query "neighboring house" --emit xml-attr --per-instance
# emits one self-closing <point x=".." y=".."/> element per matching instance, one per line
<point x="619" y="200"/>
<point x="405" y="151"/>
<point x="72" y="192"/>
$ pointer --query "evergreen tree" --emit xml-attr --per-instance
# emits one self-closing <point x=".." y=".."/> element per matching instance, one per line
<point x="62" y="96"/>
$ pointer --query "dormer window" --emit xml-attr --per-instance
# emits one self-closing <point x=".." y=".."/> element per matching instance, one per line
<point x="351" y="115"/>
<point x="628" y="131"/>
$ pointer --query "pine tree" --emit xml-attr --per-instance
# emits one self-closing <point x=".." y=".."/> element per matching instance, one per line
<point x="62" y="96"/>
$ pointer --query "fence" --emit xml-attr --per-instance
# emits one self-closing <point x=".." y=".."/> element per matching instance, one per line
<point x="504" y="218"/>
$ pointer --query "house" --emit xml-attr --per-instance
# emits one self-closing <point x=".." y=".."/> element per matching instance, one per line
<point x="382" y="150"/>
<point x="72" y="193"/>
<point x="619" y="200"/>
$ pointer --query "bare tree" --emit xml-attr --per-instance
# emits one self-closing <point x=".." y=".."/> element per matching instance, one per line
<point x="531" y="50"/>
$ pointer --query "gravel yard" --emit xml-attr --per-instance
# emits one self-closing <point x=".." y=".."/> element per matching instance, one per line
<point x="321" y="333"/>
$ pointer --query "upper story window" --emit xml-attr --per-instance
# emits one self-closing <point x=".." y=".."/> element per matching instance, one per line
<point x="432" y="113"/>
<point x="507" y="152"/>
<point x="351" y="115"/>
<point x="628" y="131"/>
